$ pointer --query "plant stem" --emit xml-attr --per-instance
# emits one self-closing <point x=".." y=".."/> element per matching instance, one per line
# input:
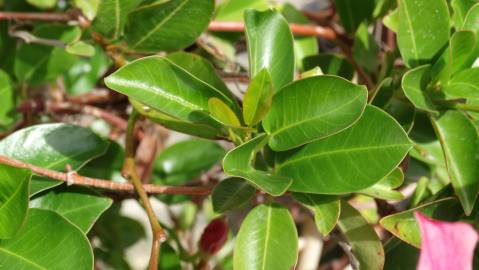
<point x="130" y="173"/>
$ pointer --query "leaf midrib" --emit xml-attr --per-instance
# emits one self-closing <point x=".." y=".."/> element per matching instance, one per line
<point x="22" y="258"/>
<point x="266" y="238"/>
<point x="409" y="22"/>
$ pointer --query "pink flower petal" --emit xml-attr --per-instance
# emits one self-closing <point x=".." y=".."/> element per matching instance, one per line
<point x="445" y="245"/>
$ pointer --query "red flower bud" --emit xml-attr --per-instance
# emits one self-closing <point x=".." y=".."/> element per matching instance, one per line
<point x="214" y="236"/>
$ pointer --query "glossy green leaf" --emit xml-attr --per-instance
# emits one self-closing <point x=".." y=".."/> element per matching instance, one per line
<point x="36" y="63"/>
<point x="47" y="241"/>
<point x="352" y="13"/>
<point x="460" y="9"/>
<point x="239" y="162"/>
<point x="471" y="21"/>
<point x="304" y="46"/>
<point x="391" y="20"/>
<point x="423" y="30"/>
<point x="361" y="237"/>
<point x="185" y="160"/>
<point x="204" y="130"/>
<point x="53" y="146"/>
<point x="258" y="98"/>
<point x="43" y="4"/>
<point x="465" y="84"/>
<point x="365" y="49"/>
<point x="14" y="184"/>
<point x="326" y="210"/>
<point x="460" y="150"/>
<point x="384" y="189"/>
<point x="112" y="15"/>
<point x="159" y="83"/>
<point x="270" y="46"/>
<point x="232" y="10"/>
<point x="88" y="8"/>
<point x="415" y="86"/>
<point x="231" y="193"/>
<point x="369" y="154"/>
<point x="8" y="100"/>
<point x="311" y="109"/>
<point x="383" y="93"/>
<point x="79" y="205"/>
<point x="332" y="64"/>
<point x="167" y="25"/>
<point x="80" y="48"/>
<point x="404" y="224"/>
<point x="267" y="239"/>
<point x="223" y="113"/>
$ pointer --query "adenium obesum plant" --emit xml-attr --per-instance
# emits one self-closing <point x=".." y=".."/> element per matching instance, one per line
<point x="303" y="139"/>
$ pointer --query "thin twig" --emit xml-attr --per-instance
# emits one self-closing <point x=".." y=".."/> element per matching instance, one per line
<point x="297" y="29"/>
<point x="130" y="173"/>
<point x="36" y="16"/>
<point x="80" y="180"/>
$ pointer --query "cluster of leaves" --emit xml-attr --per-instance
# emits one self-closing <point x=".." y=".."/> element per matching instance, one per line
<point x="302" y="133"/>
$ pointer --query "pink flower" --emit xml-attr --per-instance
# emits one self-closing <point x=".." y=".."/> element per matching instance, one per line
<point x="445" y="245"/>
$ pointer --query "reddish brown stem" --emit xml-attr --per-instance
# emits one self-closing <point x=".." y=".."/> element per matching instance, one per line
<point x="36" y="16"/>
<point x="76" y="179"/>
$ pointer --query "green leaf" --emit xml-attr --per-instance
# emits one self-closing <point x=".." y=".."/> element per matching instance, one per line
<point x="303" y="45"/>
<point x="326" y="210"/>
<point x="79" y="205"/>
<point x="36" y="63"/>
<point x="169" y="259"/>
<point x="88" y="8"/>
<point x="222" y="113"/>
<point x="415" y="86"/>
<point x="311" y="109"/>
<point x="400" y="255"/>
<point x="159" y="83"/>
<point x="363" y="240"/>
<point x="270" y="46"/>
<point x="460" y="9"/>
<point x="232" y="10"/>
<point x="167" y="25"/>
<point x="332" y="64"/>
<point x="423" y="30"/>
<point x="204" y="130"/>
<point x="14" y="185"/>
<point x="43" y="4"/>
<point x="108" y="165"/>
<point x="312" y="72"/>
<point x="173" y="163"/>
<point x="365" y="49"/>
<point x="391" y="20"/>
<point x="8" y="101"/>
<point x="231" y="193"/>
<point x="239" y="162"/>
<point x="267" y="239"/>
<point x="111" y="17"/>
<point x="258" y="98"/>
<point x="460" y="150"/>
<point x="369" y="154"/>
<point x="471" y="22"/>
<point x="465" y="84"/>
<point x="53" y="146"/>
<point x="80" y="48"/>
<point x="384" y="189"/>
<point x="404" y="224"/>
<point x="352" y="13"/>
<point x="47" y="241"/>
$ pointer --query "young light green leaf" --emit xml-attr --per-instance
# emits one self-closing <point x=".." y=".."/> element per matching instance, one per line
<point x="14" y="184"/>
<point x="167" y="25"/>
<point x="414" y="84"/>
<point x="79" y="205"/>
<point x="391" y="20"/>
<point x="325" y="208"/>
<point x="159" y="83"/>
<point x="368" y="160"/>
<point x="88" y="8"/>
<point x="258" y="98"/>
<point x="43" y="4"/>
<point x="404" y="225"/>
<point x="53" y="146"/>
<point x="112" y="15"/>
<point x="471" y="22"/>
<point x="267" y="239"/>
<point x="331" y="64"/>
<point x="36" y="64"/>
<point x="80" y="48"/>
<point x="311" y="109"/>
<point x="239" y="162"/>
<point x="460" y="9"/>
<point x="465" y="84"/>
<point x="8" y="100"/>
<point x="312" y="72"/>
<point x="231" y="193"/>
<point x="364" y="242"/>
<point x="232" y="10"/>
<point x="222" y="113"/>
<point x="352" y="13"/>
<point x="57" y="244"/>
<point x="270" y="46"/>
<point x="423" y="30"/>
<point x="384" y="189"/>
<point x="460" y="150"/>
